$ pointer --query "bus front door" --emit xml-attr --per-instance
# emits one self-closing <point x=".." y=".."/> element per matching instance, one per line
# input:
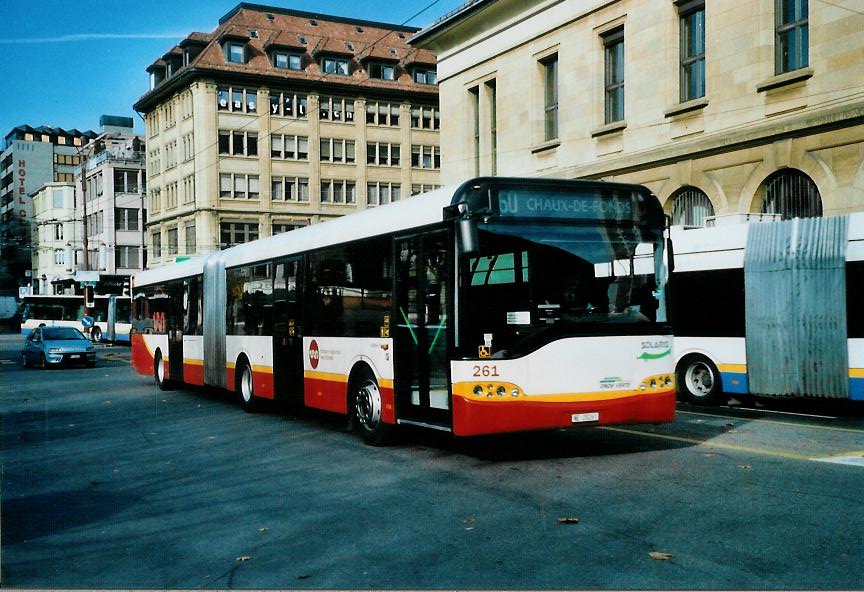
<point x="421" y="330"/>
<point x="287" y="333"/>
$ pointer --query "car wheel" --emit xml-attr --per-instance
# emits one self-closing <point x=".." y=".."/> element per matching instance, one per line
<point x="25" y="361"/>
<point x="246" y="388"/>
<point x="365" y="409"/>
<point x="43" y="362"/>
<point x="159" y="371"/>
<point x="699" y="381"/>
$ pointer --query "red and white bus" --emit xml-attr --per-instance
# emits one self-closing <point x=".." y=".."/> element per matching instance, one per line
<point x="495" y="306"/>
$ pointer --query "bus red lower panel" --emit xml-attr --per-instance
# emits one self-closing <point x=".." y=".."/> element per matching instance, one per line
<point x="142" y="359"/>
<point x="193" y="373"/>
<point x="472" y="418"/>
<point x="332" y="395"/>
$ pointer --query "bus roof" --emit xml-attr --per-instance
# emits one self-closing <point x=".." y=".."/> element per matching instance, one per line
<point x="414" y="212"/>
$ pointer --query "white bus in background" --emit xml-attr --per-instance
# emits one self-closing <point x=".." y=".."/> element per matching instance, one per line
<point x="111" y="315"/>
<point x="769" y="308"/>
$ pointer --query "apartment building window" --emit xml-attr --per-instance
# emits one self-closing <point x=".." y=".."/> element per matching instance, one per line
<point x="155" y="200"/>
<point x="238" y="100"/>
<point x="419" y="188"/>
<point x="690" y="207"/>
<point x="171" y="240"/>
<point x="125" y="181"/>
<point x="793" y="36"/>
<point x="425" y="118"/>
<point x="336" y="150"/>
<point x="287" y="61"/>
<point x="383" y="154"/>
<point x="613" y="49"/>
<point x="333" y="109"/>
<point x="126" y="218"/>
<point x="285" y="147"/>
<point x="550" y="99"/>
<point x="238" y="186"/>
<point x="381" y="71"/>
<point x="425" y="76"/>
<point x="191" y="239"/>
<point x="95" y="186"/>
<point x="286" y="104"/>
<point x="235" y="233"/>
<point x="59" y="257"/>
<point x="171" y="155"/>
<point x="64" y="177"/>
<point x="426" y="157"/>
<point x="154" y="166"/>
<point x="378" y="194"/>
<point x="338" y="191"/>
<point x="333" y="65"/>
<point x="156" y="240"/>
<point x="492" y="96"/>
<point x="58" y="232"/>
<point x="382" y="114"/>
<point x="188" y="146"/>
<point x="235" y="52"/>
<point x="238" y="143"/>
<point x="692" y="19"/>
<point x="70" y="159"/>
<point x="290" y="189"/>
<point x="171" y="195"/>
<point x="189" y="189"/>
<point x="282" y="227"/>
<point x="474" y="102"/>
<point x="126" y="257"/>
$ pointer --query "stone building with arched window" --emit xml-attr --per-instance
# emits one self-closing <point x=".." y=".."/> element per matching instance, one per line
<point x="748" y="106"/>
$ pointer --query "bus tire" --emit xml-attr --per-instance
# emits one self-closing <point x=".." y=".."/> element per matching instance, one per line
<point x="159" y="372"/>
<point x="96" y="334"/>
<point x="699" y="381"/>
<point x="365" y="409"/>
<point x="245" y="386"/>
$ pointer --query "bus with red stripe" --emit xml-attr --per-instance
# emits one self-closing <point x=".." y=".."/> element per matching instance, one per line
<point x="498" y="305"/>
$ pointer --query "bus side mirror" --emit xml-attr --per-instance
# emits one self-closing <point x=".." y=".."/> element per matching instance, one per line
<point x="469" y="242"/>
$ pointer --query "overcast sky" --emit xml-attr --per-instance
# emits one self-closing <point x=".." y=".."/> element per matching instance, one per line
<point x="66" y="62"/>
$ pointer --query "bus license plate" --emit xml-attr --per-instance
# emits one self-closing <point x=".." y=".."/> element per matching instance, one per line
<point x="583" y="417"/>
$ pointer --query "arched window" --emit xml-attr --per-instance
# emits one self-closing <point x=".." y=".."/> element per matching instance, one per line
<point x="791" y="194"/>
<point x="690" y="207"/>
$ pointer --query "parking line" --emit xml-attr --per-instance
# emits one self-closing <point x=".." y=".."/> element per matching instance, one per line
<point x="735" y="447"/>
<point x="774" y="421"/>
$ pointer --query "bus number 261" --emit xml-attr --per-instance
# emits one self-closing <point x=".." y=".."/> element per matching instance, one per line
<point x="485" y="370"/>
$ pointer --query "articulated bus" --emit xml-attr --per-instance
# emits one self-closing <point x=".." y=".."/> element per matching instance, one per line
<point x="769" y="309"/>
<point x="111" y="315"/>
<point x="495" y="306"/>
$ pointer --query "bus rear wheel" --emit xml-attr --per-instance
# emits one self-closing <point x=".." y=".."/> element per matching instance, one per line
<point x="365" y="410"/>
<point x="699" y="381"/>
<point x="246" y="388"/>
<point x="96" y="334"/>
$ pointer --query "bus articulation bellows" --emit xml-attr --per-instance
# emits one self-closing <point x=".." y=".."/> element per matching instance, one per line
<point x="495" y="306"/>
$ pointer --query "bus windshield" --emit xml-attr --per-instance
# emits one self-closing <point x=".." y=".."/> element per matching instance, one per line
<point x="537" y="280"/>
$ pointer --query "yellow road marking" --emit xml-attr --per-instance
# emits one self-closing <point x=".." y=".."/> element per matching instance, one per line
<point x="737" y="448"/>
<point x="774" y="421"/>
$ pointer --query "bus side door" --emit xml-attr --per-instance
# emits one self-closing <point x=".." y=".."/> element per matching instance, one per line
<point x="287" y="330"/>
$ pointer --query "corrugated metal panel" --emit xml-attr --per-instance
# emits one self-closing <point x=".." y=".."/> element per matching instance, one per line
<point x="214" y="320"/>
<point x="795" y="286"/>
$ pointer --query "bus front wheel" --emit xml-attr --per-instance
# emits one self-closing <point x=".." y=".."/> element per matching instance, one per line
<point x="159" y="371"/>
<point x="96" y="334"/>
<point x="365" y="409"/>
<point x="699" y="381"/>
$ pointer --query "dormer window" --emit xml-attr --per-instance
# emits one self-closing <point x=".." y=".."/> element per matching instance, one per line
<point x="235" y="52"/>
<point x="425" y="76"/>
<point x="382" y="71"/>
<point x="157" y="74"/>
<point x="335" y="65"/>
<point x="287" y="61"/>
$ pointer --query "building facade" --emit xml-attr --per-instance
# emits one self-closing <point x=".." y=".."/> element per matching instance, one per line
<point x="280" y="119"/>
<point x="31" y="158"/>
<point x="54" y="226"/>
<point x="718" y="107"/>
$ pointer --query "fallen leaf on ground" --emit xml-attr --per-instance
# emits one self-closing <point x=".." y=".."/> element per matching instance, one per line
<point x="660" y="555"/>
<point x="568" y="520"/>
<point x="244" y="558"/>
<point x="745" y="467"/>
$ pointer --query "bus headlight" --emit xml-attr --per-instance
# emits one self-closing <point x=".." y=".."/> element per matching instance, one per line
<point x="478" y="390"/>
<point x="501" y="391"/>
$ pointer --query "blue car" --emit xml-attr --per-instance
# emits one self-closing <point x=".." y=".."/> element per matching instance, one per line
<point x="52" y="346"/>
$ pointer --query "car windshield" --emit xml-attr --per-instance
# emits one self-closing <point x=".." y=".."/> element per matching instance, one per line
<point x="61" y="334"/>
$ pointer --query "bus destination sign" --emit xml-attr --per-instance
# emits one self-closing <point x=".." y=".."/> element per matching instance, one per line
<point x="583" y="206"/>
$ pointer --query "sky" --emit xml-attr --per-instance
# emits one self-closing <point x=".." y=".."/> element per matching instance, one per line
<point x="67" y="62"/>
